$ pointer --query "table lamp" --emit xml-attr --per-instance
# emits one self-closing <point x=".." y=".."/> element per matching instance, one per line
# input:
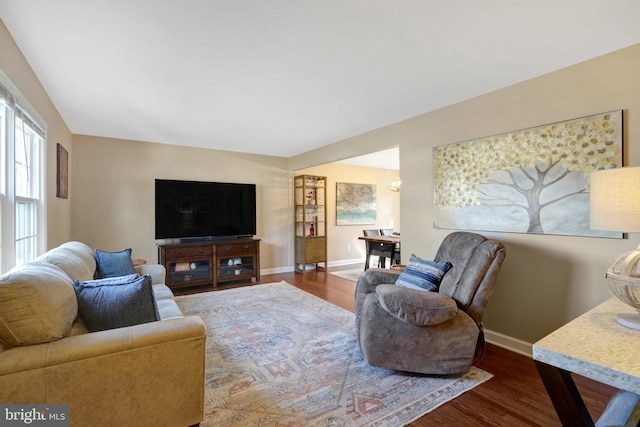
<point x="615" y="206"/>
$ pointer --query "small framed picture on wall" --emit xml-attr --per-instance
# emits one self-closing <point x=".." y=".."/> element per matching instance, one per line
<point x="62" y="172"/>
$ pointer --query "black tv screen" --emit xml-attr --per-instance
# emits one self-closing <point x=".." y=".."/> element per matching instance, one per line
<point x="198" y="209"/>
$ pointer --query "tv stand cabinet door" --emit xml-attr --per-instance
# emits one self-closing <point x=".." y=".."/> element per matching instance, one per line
<point x="187" y="264"/>
<point x="236" y="260"/>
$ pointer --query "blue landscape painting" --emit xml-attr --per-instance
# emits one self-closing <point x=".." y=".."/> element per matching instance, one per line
<point x="355" y="204"/>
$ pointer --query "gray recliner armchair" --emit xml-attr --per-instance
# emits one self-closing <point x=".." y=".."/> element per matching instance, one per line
<point x="438" y="333"/>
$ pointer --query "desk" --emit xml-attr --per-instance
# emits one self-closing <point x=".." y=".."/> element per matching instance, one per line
<point x="376" y="241"/>
<point x="595" y="346"/>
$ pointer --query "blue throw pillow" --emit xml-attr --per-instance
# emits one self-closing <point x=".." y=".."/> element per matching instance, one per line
<point x="423" y="275"/>
<point x="110" y="303"/>
<point x="120" y="280"/>
<point x="114" y="264"/>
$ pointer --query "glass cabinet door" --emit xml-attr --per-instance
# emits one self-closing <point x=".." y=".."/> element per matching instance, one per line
<point x="190" y="271"/>
<point x="235" y="266"/>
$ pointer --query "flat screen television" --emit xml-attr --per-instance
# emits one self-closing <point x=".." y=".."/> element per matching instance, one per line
<point x="191" y="210"/>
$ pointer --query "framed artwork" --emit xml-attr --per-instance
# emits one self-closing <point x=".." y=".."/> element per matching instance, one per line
<point x="62" y="172"/>
<point x="533" y="180"/>
<point x="355" y="204"/>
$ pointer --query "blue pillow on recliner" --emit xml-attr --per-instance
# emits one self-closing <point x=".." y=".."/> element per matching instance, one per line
<point x="422" y="274"/>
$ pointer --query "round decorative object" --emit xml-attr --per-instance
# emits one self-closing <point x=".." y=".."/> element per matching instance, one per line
<point x="624" y="281"/>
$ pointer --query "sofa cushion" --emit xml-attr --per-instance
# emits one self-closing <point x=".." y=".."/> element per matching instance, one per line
<point x="162" y="291"/>
<point x="422" y="274"/>
<point x="168" y="309"/>
<point x="109" y="304"/>
<point x="37" y="304"/>
<point x="114" y="264"/>
<point x="74" y="258"/>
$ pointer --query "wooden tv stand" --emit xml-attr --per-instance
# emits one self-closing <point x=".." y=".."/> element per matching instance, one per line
<point x="210" y="262"/>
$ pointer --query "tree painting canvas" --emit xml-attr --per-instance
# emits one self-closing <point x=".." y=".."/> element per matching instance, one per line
<point x="529" y="181"/>
<point x="355" y="203"/>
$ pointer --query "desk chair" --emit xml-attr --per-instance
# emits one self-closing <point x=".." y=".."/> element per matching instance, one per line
<point x="381" y="250"/>
<point x="396" y="255"/>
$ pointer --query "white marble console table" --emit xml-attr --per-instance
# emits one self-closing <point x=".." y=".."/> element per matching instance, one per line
<point x="595" y="346"/>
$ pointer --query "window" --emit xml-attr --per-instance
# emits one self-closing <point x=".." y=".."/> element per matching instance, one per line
<point x="22" y="143"/>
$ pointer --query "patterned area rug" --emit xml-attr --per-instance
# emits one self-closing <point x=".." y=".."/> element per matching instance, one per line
<point x="279" y="356"/>
<point x="349" y="274"/>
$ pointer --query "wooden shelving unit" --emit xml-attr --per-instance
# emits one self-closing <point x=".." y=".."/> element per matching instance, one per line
<point x="310" y="225"/>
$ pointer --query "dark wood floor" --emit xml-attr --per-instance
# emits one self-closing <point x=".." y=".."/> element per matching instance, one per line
<point x="514" y="396"/>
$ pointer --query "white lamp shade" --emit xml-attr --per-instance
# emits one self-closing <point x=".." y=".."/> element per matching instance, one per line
<point x="615" y="199"/>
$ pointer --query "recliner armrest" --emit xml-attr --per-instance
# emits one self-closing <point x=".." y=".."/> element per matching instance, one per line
<point x="422" y="308"/>
<point x="379" y="276"/>
<point x="373" y="277"/>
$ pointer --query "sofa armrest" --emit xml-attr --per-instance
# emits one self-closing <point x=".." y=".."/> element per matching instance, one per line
<point x="152" y="373"/>
<point x="156" y="271"/>
<point x="422" y="308"/>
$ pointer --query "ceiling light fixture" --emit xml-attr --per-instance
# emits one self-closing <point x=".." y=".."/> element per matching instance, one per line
<point x="395" y="185"/>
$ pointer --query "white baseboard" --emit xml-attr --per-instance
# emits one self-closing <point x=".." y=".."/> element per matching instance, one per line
<point x="277" y="270"/>
<point x="289" y="268"/>
<point x="510" y="343"/>
<point x="346" y="262"/>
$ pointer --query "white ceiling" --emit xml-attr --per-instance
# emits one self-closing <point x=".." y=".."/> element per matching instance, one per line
<point x="384" y="159"/>
<point x="282" y="77"/>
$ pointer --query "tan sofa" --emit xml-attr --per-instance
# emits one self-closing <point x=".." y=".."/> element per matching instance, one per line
<point x="150" y="374"/>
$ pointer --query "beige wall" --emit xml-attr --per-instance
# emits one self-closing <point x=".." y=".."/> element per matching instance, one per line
<point x="546" y="280"/>
<point x="343" y="246"/>
<point x="16" y="68"/>
<point x="113" y="189"/>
